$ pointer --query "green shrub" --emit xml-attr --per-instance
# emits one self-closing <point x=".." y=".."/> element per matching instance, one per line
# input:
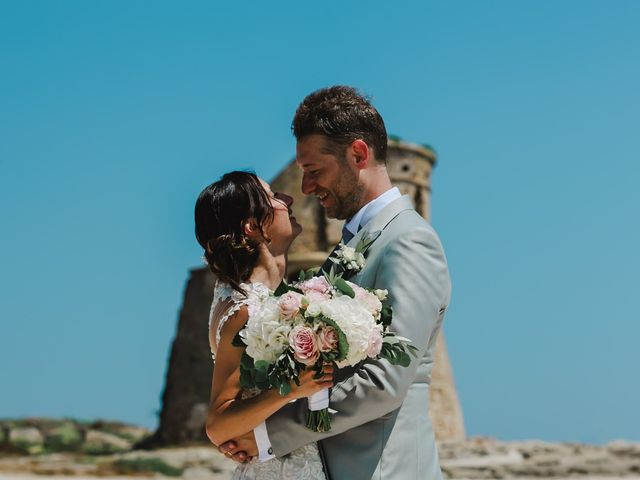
<point x="65" y="438"/>
<point x="140" y="465"/>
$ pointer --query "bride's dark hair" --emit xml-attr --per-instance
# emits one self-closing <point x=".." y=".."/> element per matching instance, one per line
<point x="222" y="210"/>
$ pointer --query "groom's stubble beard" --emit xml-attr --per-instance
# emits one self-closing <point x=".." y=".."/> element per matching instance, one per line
<point x="348" y="195"/>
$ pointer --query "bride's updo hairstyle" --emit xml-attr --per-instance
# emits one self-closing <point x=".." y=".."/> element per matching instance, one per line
<point x="222" y="210"/>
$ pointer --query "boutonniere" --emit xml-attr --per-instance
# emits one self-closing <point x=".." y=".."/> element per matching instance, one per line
<point x="353" y="259"/>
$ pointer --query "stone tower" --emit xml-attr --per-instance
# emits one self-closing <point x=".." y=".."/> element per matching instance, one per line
<point x="186" y="394"/>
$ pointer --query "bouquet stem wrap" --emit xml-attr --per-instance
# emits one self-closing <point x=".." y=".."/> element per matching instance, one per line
<point x="318" y="418"/>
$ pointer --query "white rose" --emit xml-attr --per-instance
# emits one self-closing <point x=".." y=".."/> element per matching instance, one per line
<point x="355" y="321"/>
<point x="314" y="309"/>
<point x="381" y="294"/>
<point x="265" y="335"/>
<point x="348" y="254"/>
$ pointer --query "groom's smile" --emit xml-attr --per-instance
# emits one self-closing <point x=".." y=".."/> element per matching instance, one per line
<point x="327" y="177"/>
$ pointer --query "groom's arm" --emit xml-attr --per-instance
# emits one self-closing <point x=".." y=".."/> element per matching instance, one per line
<point x="413" y="268"/>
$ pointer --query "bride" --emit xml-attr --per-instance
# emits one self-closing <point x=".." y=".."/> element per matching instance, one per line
<point x="246" y="231"/>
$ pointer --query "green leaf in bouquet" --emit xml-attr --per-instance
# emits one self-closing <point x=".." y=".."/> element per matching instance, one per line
<point x="395" y="351"/>
<point x="344" y="287"/>
<point x="246" y="361"/>
<point x="261" y="374"/>
<point x="403" y="359"/>
<point x="284" y="388"/>
<point x="330" y="276"/>
<point x="343" y="344"/>
<point x="309" y="274"/>
<point x="282" y="289"/>
<point x="301" y="276"/>
<point x="328" y="356"/>
<point x="237" y="341"/>
<point x="390" y="339"/>
<point x="295" y="289"/>
<point x="262" y="365"/>
<point x="246" y="379"/>
<point x="386" y="315"/>
<point x="317" y="368"/>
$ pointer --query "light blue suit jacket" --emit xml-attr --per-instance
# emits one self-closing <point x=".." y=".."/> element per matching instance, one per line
<point x="382" y="429"/>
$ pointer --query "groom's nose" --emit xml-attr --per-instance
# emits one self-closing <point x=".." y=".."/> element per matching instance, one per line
<point x="308" y="185"/>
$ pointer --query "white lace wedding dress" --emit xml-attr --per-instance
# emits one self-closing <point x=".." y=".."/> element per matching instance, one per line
<point x="301" y="464"/>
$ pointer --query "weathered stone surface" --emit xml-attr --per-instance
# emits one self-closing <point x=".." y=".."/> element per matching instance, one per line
<point x="477" y="458"/>
<point x="485" y="458"/>
<point x="188" y="379"/>
<point x="27" y="435"/>
<point x="35" y="436"/>
<point x="102" y="442"/>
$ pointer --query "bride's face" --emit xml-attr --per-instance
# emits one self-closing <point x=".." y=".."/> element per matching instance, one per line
<point x="284" y="228"/>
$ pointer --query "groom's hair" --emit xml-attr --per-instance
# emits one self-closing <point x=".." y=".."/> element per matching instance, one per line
<point x="342" y="115"/>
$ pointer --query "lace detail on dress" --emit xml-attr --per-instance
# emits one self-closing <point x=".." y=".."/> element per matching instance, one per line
<point x="225" y="296"/>
<point x="302" y="464"/>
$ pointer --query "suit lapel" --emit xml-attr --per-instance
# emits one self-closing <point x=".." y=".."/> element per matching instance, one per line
<point x="373" y="227"/>
<point x="382" y="219"/>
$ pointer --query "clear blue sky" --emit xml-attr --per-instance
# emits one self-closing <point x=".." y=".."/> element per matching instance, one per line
<point x="114" y="115"/>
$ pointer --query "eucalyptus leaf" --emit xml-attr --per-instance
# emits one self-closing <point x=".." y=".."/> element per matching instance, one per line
<point x="404" y="359"/>
<point x="282" y="289"/>
<point x="246" y="379"/>
<point x="344" y="287"/>
<point x="261" y="365"/>
<point x="237" y="341"/>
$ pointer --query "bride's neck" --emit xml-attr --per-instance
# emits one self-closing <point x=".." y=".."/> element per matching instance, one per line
<point x="270" y="275"/>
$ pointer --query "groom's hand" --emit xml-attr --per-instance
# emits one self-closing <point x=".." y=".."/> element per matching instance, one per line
<point x="240" y="449"/>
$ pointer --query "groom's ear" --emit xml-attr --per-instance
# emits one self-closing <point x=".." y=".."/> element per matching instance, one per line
<point x="360" y="153"/>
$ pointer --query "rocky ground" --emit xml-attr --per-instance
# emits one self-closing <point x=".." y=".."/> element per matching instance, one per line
<point x="64" y="449"/>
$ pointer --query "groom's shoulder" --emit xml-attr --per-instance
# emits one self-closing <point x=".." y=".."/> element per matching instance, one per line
<point x="410" y="227"/>
<point x="409" y="221"/>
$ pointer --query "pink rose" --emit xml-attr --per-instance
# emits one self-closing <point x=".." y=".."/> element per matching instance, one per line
<point x="359" y="291"/>
<point x="316" y="284"/>
<point x="327" y="339"/>
<point x="290" y="304"/>
<point x="315" y="296"/>
<point x="367" y="299"/>
<point x="303" y="342"/>
<point x="375" y="343"/>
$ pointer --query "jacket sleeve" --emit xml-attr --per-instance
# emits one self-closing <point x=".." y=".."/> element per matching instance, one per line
<point x="413" y="269"/>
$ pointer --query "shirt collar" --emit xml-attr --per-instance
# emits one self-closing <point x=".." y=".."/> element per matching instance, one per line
<point x="371" y="209"/>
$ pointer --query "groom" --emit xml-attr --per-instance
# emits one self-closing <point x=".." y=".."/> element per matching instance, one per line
<point x="381" y="429"/>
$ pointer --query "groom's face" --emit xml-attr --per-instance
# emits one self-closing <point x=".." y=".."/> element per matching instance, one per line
<point x="328" y="176"/>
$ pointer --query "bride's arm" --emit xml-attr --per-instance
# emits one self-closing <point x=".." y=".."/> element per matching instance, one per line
<point x="229" y="416"/>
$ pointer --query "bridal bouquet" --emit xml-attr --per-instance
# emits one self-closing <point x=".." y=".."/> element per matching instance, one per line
<point x="313" y="321"/>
